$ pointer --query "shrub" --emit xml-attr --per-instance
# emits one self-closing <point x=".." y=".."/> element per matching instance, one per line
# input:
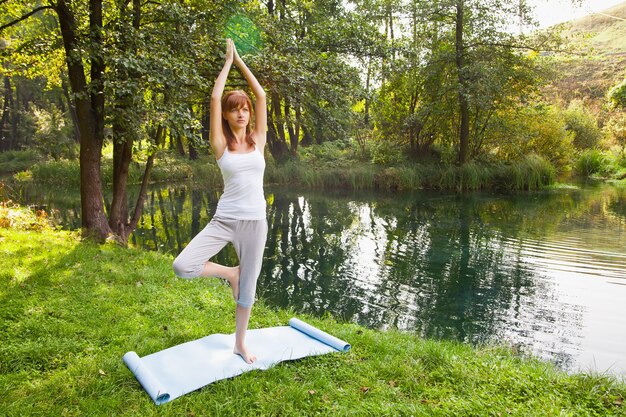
<point x="583" y="125"/>
<point x="13" y="216"/>
<point x="385" y="152"/>
<point x="590" y="162"/>
<point x="15" y="161"/>
<point x="539" y="130"/>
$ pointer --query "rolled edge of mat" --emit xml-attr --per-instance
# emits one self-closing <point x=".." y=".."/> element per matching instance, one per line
<point x="147" y="380"/>
<point x="320" y="335"/>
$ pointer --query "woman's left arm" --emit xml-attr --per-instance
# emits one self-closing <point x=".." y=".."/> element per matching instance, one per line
<point x="260" y="106"/>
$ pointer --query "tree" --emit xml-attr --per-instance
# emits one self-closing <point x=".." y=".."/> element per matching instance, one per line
<point x="126" y="61"/>
<point x="304" y="66"/>
<point x="456" y="65"/>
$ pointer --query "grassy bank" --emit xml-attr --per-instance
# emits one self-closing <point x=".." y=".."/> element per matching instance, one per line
<point x="71" y="309"/>
<point x="530" y="173"/>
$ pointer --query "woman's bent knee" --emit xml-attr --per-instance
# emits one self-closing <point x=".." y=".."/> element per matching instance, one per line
<point x="184" y="270"/>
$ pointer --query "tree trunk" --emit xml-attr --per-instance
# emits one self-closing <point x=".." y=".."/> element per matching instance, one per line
<point x="5" y="126"/>
<point x="462" y="78"/>
<point x="293" y="139"/>
<point x="298" y="123"/>
<point x="122" y="155"/>
<point x="178" y="140"/>
<point x="278" y="119"/>
<point x="94" y="221"/>
<point x="276" y="133"/>
<point x="307" y="139"/>
<point x="119" y="221"/>
<point x="278" y="148"/>
<point x="367" y="93"/>
<point x="71" y="107"/>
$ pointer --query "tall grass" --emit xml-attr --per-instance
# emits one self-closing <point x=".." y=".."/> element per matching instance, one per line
<point x="609" y="163"/>
<point x="533" y="172"/>
<point x="590" y="162"/>
<point x="168" y="167"/>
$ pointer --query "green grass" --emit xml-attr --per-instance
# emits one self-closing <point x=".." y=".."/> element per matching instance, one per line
<point x="70" y="310"/>
<point x="608" y="164"/>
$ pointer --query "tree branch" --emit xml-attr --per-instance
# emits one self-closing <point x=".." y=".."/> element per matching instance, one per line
<point x="26" y="16"/>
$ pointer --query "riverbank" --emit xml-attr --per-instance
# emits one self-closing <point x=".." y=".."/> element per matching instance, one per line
<point x="71" y="309"/>
<point x="319" y="168"/>
<point x="329" y="172"/>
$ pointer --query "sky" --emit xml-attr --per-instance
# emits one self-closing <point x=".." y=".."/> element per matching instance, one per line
<point x="551" y="12"/>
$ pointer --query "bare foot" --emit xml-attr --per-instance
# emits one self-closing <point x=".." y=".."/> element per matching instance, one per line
<point x="243" y="352"/>
<point x="233" y="280"/>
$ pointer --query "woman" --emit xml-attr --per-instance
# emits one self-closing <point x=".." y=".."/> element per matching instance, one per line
<point x="240" y="215"/>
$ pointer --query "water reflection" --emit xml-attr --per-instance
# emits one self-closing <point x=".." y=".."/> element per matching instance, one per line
<point x="544" y="271"/>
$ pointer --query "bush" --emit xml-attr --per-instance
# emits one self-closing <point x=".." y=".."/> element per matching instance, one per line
<point x="609" y="164"/>
<point x="385" y="152"/>
<point x="615" y="127"/>
<point x="534" y="130"/>
<point x="329" y="151"/>
<point x="15" y="161"/>
<point x="13" y="216"/>
<point x="583" y="125"/>
<point x="590" y="162"/>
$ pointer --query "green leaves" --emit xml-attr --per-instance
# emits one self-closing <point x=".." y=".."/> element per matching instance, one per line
<point x="617" y="95"/>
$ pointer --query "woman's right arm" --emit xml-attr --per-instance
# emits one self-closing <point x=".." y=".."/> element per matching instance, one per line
<point x="216" y="135"/>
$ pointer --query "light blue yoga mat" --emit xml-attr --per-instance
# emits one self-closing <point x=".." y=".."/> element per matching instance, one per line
<point x="175" y="371"/>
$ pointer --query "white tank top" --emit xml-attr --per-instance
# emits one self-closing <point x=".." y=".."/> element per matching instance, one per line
<point x="243" y="197"/>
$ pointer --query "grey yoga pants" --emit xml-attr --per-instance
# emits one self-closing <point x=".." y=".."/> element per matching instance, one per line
<point x="247" y="236"/>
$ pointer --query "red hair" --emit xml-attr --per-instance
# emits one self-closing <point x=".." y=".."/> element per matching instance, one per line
<point x="236" y="99"/>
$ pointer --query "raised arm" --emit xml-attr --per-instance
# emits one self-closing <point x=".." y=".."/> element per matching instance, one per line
<point x="216" y="136"/>
<point x="260" y="106"/>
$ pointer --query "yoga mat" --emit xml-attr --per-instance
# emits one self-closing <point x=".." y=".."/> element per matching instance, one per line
<point x="175" y="371"/>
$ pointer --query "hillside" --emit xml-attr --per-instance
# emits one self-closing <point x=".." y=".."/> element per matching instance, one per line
<point x="601" y="62"/>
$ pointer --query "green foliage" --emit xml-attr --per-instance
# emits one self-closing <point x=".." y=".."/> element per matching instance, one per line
<point x="529" y="173"/>
<point x="14" y="161"/>
<point x="386" y="152"/>
<point x="583" y="124"/>
<point x="245" y="34"/>
<point x="65" y="174"/>
<point x="54" y="128"/>
<point x="13" y="216"/>
<point x="617" y="95"/>
<point x="616" y="127"/>
<point x="62" y="173"/>
<point x="332" y="152"/>
<point x="590" y="161"/>
<point x="610" y="163"/>
<point x="418" y="103"/>
<point x="537" y="129"/>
